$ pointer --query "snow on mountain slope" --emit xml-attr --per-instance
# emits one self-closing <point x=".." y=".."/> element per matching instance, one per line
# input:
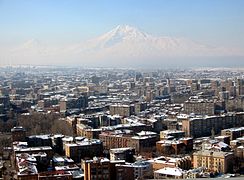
<point x="126" y="41"/>
<point x="123" y="44"/>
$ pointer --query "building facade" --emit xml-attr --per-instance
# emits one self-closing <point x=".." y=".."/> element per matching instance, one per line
<point x="221" y="162"/>
<point x="206" y="125"/>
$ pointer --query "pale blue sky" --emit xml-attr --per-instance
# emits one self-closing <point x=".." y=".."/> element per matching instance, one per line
<point x="215" y="22"/>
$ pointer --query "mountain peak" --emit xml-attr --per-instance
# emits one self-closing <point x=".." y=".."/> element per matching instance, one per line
<point x="125" y="28"/>
<point x="122" y="33"/>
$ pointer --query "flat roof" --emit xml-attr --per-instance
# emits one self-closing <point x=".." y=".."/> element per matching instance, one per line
<point x="170" y="171"/>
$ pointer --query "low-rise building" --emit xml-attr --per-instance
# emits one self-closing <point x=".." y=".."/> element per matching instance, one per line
<point x="140" y="143"/>
<point x="52" y="175"/>
<point x="18" y="134"/>
<point x="199" y="106"/>
<point x="168" y="147"/>
<point x="84" y="149"/>
<point x="87" y="132"/>
<point x="233" y="133"/>
<point x="221" y="162"/>
<point x="39" y="140"/>
<point x="99" y="168"/>
<point x="121" y="109"/>
<point x="164" y="161"/>
<point x="174" y="133"/>
<point x="126" y="154"/>
<point x="33" y="150"/>
<point x="131" y="171"/>
<point x="26" y="167"/>
<point x="169" y="173"/>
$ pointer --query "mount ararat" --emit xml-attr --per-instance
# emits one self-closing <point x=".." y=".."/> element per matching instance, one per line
<point x="124" y="46"/>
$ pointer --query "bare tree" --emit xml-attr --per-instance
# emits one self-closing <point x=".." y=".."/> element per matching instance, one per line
<point x="61" y="127"/>
<point x="39" y="123"/>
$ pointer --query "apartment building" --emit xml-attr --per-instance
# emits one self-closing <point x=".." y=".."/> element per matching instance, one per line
<point x="166" y="161"/>
<point x="18" y="133"/>
<point x="99" y="168"/>
<point x="233" y="133"/>
<point x="121" y="109"/>
<point x="200" y="126"/>
<point x="221" y="162"/>
<point x="84" y="149"/>
<point x="140" y="143"/>
<point x="199" y="106"/>
<point x="136" y="170"/>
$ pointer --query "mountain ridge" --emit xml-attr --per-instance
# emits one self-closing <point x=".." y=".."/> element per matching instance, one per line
<point x="123" y="44"/>
<point x="125" y="37"/>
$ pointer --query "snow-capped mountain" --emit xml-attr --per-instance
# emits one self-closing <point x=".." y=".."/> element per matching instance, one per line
<point x="32" y="46"/>
<point x="122" y="45"/>
<point x="127" y="41"/>
<point x="120" y="34"/>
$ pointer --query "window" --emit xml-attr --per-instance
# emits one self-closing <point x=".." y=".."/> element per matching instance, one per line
<point x="93" y="170"/>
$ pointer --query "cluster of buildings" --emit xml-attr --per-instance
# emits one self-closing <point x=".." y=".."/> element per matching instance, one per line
<point x="126" y="124"/>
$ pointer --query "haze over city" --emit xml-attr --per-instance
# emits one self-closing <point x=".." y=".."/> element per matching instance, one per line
<point x="122" y="34"/>
<point x="121" y="90"/>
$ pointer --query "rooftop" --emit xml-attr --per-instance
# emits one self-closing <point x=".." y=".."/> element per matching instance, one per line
<point x="170" y="171"/>
<point x="18" y="128"/>
<point x="219" y="154"/>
